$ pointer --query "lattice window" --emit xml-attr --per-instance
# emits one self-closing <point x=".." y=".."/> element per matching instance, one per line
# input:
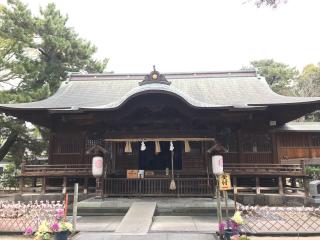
<point x="93" y="142"/>
<point x="256" y="143"/>
<point x="294" y="140"/>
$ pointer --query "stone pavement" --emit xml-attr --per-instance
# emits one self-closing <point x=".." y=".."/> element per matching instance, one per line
<point x="196" y="224"/>
<point x="149" y="236"/>
<point x="172" y="236"/>
<point x="165" y="206"/>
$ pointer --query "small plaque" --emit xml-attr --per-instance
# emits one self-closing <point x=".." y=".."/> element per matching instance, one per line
<point x="149" y="173"/>
<point x="141" y="174"/>
<point x="131" y="174"/>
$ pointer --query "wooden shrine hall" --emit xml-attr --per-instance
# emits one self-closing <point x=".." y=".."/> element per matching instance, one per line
<point x="155" y="128"/>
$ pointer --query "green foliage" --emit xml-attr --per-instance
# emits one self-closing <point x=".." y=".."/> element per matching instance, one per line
<point x="313" y="171"/>
<point x="278" y="75"/>
<point x="308" y="85"/>
<point x="8" y="178"/>
<point x="36" y="55"/>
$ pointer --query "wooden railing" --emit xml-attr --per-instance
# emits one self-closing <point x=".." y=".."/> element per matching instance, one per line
<point x="56" y="170"/>
<point x="265" y="169"/>
<point x="159" y="187"/>
<point x="234" y="169"/>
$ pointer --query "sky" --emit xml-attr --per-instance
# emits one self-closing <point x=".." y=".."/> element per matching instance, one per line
<point x="194" y="35"/>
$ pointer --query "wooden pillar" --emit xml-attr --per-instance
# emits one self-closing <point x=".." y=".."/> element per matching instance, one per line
<point x="44" y="183"/>
<point x="258" y="185"/>
<point x="99" y="188"/>
<point x="294" y="184"/>
<point x="85" y="187"/>
<point x="64" y="185"/>
<point x="235" y="190"/>
<point x="306" y="186"/>
<point x="34" y="182"/>
<point x="280" y="184"/>
<point x="240" y="142"/>
<point x="21" y="184"/>
<point x="275" y="148"/>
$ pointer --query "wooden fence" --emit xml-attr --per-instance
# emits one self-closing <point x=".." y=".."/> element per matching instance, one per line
<point x="159" y="187"/>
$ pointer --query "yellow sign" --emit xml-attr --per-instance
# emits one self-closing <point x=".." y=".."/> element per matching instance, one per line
<point x="132" y="174"/>
<point x="224" y="182"/>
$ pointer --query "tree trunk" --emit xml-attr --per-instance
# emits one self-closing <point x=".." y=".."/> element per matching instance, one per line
<point x="4" y="149"/>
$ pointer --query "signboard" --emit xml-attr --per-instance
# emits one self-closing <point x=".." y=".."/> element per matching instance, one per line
<point x="224" y="182"/>
<point x="149" y="173"/>
<point x="132" y="174"/>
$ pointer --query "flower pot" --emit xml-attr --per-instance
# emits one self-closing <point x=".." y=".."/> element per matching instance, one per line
<point x="227" y="234"/>
<point x="61" y="235"/>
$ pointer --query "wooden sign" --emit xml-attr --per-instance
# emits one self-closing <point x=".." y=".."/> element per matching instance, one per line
<point x="131" y="174"/>
<point x="224" y="182"/>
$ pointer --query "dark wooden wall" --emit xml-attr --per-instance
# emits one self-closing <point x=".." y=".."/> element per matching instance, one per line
<point x="243" y="147"/>
<point x="297" y="145"/>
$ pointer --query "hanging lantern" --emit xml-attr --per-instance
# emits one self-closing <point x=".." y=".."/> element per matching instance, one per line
<point x="171" y="146"/>
<point x="187" y="146"/>
<point x="128" y="148"/>
<point x="97" y="166"/>
<point x="143" y="146"/>
<point x="217" y="164"/>
<point x="157" y="149"/>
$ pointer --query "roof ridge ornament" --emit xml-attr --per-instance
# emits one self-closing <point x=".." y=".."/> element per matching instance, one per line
<point x="155" y="77"/>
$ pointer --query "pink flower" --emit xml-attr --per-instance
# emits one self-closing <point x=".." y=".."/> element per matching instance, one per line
<point x="222" y="225"/>
<point x="55" y="227"/>
<point x="59" y="214"/>
<point x="28" y="231"/>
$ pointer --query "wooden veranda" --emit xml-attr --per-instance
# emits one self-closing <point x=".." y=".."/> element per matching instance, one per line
<point x="188" y="184"/>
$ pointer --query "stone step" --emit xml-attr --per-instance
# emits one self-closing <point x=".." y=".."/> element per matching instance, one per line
<point x="165" y="206"/>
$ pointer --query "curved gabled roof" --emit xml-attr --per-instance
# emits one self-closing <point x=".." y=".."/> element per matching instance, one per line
<point x="237" y="89"/>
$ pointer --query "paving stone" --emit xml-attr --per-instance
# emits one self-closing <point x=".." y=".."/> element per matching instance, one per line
<point x="138" y="219"/>
<point x="173" y="223"/>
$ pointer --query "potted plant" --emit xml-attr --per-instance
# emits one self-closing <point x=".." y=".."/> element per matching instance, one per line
<point x="58" y="229"/>
<point x="230" y="229"/>
<point x="61" y="228"/>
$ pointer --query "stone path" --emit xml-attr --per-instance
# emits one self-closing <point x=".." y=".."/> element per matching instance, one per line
<point x="138" y="219"/>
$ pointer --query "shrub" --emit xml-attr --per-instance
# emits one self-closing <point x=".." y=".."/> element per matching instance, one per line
<point x="8" y="178"/>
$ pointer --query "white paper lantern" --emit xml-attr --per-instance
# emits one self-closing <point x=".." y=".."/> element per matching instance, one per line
<point x="97" y="166"/>
<point x="217" y="164"/>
